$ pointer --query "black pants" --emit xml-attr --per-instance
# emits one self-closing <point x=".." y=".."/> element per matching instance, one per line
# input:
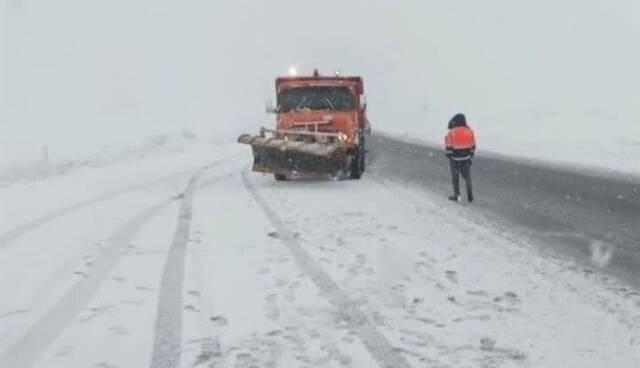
<point x="464" y="168"/>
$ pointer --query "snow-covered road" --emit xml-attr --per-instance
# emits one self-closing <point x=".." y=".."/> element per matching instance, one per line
<point x="191" y="260"/>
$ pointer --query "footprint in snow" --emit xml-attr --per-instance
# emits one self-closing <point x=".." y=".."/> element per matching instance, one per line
<point x="477" y="293"/>
<point x="145" y="288"/>
<point x="194" y="293"/>
<point x="243" y="357"/>
<point x="191" y="308"/>
<point x="210" y="349"/>
<point x="452" y="276"/>
<point x="219" y="320"/>
<point x="441" y="287"/>
<point x="348" y="340"/>
<point x="509" y="297"/>
<point x="487" y="344"/>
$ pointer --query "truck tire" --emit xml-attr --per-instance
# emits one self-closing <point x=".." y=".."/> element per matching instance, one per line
<point x="363" y="155"/>
<point x="280" y="177"/>
<point x="356" y="172"/>
<point x="356" y="164"/>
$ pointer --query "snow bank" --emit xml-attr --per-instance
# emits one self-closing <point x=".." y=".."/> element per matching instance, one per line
<point x="88" y="184"/>
<point x="25" y="160"/>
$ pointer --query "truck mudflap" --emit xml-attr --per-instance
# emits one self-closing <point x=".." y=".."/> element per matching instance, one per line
<point x="293" y="153"/>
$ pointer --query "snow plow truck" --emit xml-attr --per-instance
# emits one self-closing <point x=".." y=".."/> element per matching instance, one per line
<point x="320" y="130"/>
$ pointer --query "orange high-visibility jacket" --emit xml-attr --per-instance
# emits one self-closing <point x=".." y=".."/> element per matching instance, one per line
<point x="460" y="143"/>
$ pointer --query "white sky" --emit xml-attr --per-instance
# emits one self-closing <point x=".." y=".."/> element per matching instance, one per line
<point x="92" y="71"/>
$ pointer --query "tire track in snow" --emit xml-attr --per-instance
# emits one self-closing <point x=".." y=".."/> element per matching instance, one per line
<point x="167" y="339"/>
<point x="12" y="235"/>
<point x="39" y="337"/>
<point x="167" y="342"/>
<point x="374" y="341"/>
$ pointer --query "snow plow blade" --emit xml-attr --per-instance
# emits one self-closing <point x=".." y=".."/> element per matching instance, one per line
<point x="297" y="153"/>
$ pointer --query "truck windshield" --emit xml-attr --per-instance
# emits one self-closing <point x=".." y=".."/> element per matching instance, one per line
<point x="316" y="98"/>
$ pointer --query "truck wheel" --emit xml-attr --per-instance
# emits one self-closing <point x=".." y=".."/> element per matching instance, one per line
<point x="280" y="177"/>
<point x="356" y="165"/>
<point x="363" y="155"/>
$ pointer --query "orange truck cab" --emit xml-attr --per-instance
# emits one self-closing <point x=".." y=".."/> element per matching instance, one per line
<point x="321" y="125"/>
<point x="329" y="104"/>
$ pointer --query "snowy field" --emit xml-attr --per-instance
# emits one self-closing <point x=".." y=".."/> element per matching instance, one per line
<point x="22" y="161"/>
<point x="198" y="260"/>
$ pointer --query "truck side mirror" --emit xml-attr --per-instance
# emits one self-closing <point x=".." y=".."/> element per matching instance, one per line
<point x="363" y="102"/>
<point x="269" y="108"/>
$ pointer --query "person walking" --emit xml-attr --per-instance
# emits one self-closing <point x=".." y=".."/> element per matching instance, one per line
<point x="460" y="147"/>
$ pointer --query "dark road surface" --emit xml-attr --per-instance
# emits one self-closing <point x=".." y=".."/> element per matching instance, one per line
<point x="565" y="210"/>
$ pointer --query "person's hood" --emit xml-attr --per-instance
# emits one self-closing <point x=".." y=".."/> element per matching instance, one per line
<point x="458" y="120"/>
